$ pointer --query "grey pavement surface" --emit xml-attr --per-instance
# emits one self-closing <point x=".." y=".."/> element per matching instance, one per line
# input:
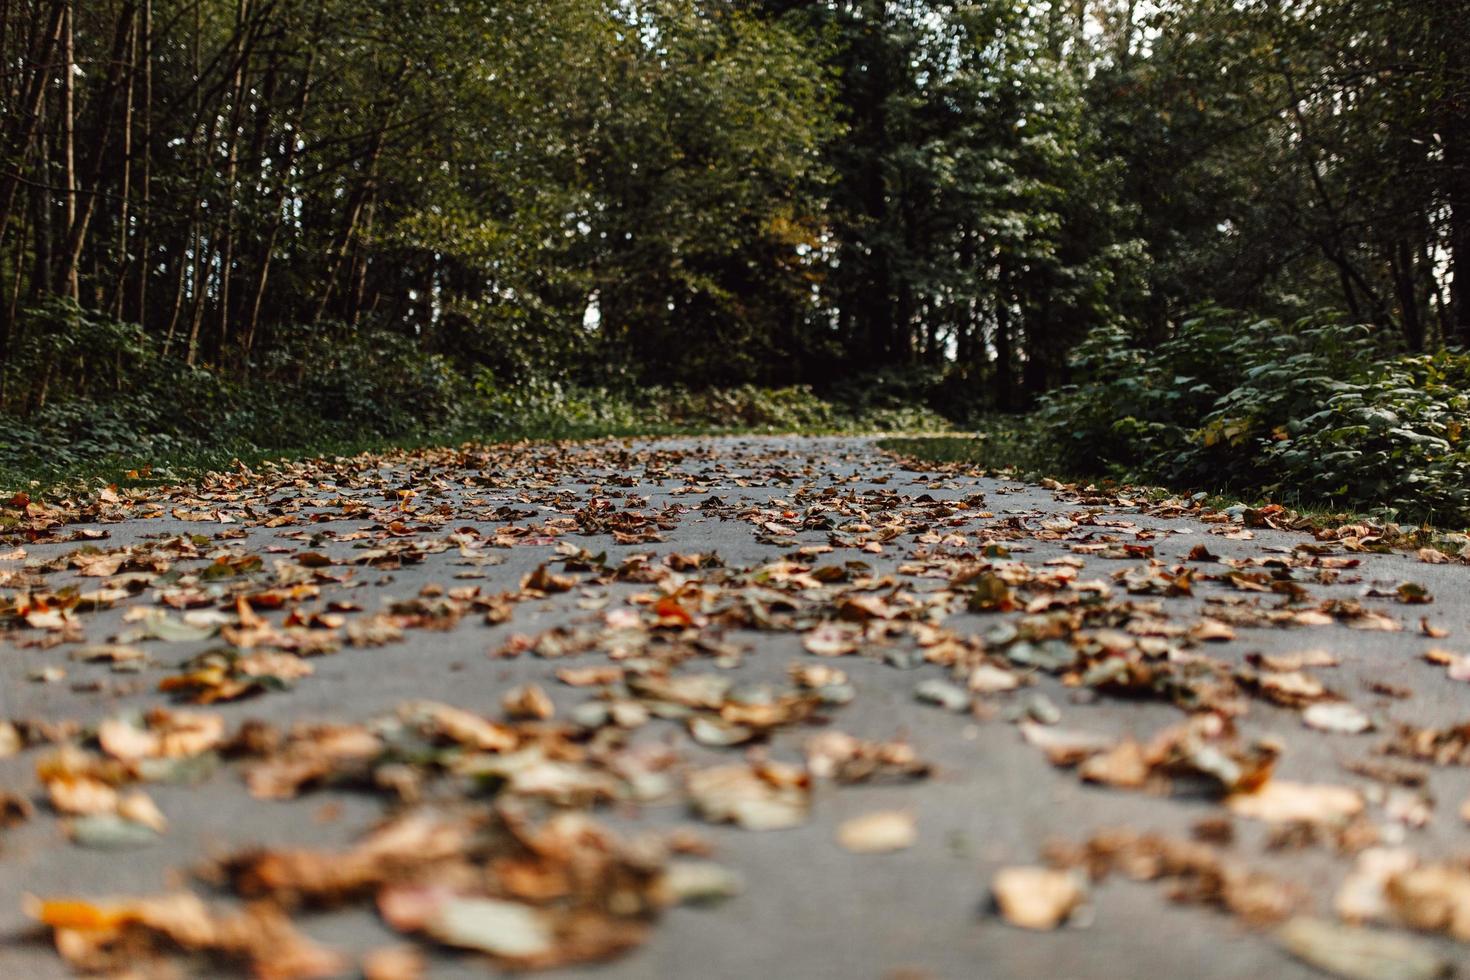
<point x="810" y="909"/>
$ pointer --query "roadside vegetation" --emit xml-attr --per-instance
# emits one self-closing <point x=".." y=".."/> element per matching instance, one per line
<point x="1319" y="412"/>
<point x="123" y="410"/>
<point x="1211" y="243"/>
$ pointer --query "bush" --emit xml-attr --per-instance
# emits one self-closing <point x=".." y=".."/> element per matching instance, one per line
<point x="552" y="408"/>
<point x="59" y="351"/>
<point x="375" y="379"/>
<point x="1318" y="409"/>
<point x="83" y="392"/>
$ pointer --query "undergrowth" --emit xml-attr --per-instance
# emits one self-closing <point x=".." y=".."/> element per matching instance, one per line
<point x="1319" y="414"/>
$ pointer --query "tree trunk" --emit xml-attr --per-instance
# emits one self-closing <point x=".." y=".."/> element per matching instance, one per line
<point x="125" y="193"/>
<point x="1457" y="168"/>
<point x="28" y="122"/>
<point x="79" y="209"/>
<point x="68" y="139"/>
<point x="1005" y="378"/>
<point x="1401" y="266"/>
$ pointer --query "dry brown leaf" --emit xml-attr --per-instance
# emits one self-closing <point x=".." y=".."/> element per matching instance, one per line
<point x="1037" y="898"/>
<point x="879" y="832"/>
<point x="1279" y="801"/>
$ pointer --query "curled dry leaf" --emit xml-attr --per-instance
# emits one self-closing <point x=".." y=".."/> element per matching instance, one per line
<point x="717" y="732"/>
<point x="11" y="741"/>
<point x="109" y="832"/>
<point x="81" y="795"/>
<point x="113" y="653"/>
<point x="458" y="725"/>
<point x="125" y="935"/>
<point x="950" y="697"/>
<point x="542" y="580"/>
<point x="689" y="882"/>
<point x="990" y="679"/>
<point x="814" y="676"/>
<point x="1125" y="766"/>
<point x="394" y="963"/>
<point x="528" y="703"/>
<point x="1064" y="747"/>
<point x="1202" y="754"/>
<point x="1394" y="886"/>
<point x="1197" y="872"/>
<point x="1291" y="688"/>
<point x="14" y="809"/>
<point x="162" y="734"/>
<point x="311" y="755"/>
<point x="841" y="757"/>
<point x="507" y="930"/>
<point x="1362" y="896"/>
<point x="139" y="808"/>
<point x="833" y="640"/>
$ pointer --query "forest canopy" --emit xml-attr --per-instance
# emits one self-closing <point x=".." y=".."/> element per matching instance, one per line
<point x="396" y="207"/>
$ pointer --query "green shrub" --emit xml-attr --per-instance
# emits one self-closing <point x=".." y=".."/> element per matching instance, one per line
<point x="83" y="392"/>
<point x="377" y="380"/>
<point x="1318" y="409"/>
<point x="57" y="351"/>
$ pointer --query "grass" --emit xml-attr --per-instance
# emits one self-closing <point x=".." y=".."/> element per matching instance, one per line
<point x="42" y="479"/>
<point x="1001" y="445"/>
<point x="39" y="478"/>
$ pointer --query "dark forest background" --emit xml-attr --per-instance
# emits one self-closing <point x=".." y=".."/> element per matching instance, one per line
<point x="249" y="219"/>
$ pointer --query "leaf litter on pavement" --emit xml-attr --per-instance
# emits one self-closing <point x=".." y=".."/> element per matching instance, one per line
<point x="492" y="838"/>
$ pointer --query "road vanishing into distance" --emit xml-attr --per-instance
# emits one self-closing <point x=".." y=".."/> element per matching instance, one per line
<point x="724" y="707"/>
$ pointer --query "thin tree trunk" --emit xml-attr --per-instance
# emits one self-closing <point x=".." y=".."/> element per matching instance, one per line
<point x="68" y="139"/>
<point x="359" y="200"/>
<point x="232" y="169"/>
<point x="145" y="179"/>
<point x="28" y="122"/>
<point x="1401" y="266"/>
<point x="80" y="210"/>
<point x="1005" y="378"/>
<point x="1457" y="166"/>
<point x="125" y="194"/>
<point x="43" y="211"/>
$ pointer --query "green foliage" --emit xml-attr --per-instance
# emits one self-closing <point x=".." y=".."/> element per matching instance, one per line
<point x="340" y="385"/>
<point x="58" y="350"/>
<point x="375" y="379"/>
<point x="1318" y="409"/>
<point x="104" y="390"/>
<point x="558" y="409"/>
<point x="310" y="220"/>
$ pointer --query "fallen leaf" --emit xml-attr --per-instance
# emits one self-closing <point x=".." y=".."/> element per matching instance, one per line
<point x="1037" y="898"/>
<point x="743" y="796"/>
<point x="878" y="832"/>
<point x="1279" y="801"/>
<point x="1341" y="717"/>
<point x="1354" y="953"/>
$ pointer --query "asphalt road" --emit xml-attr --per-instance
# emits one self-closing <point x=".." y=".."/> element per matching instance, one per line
<point x="809" y="908"/>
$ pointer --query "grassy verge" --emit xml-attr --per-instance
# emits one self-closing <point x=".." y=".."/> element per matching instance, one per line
<point x="1004" y="451"/>
<point x="163" y="433"/>
<point x="40" y="478"/>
